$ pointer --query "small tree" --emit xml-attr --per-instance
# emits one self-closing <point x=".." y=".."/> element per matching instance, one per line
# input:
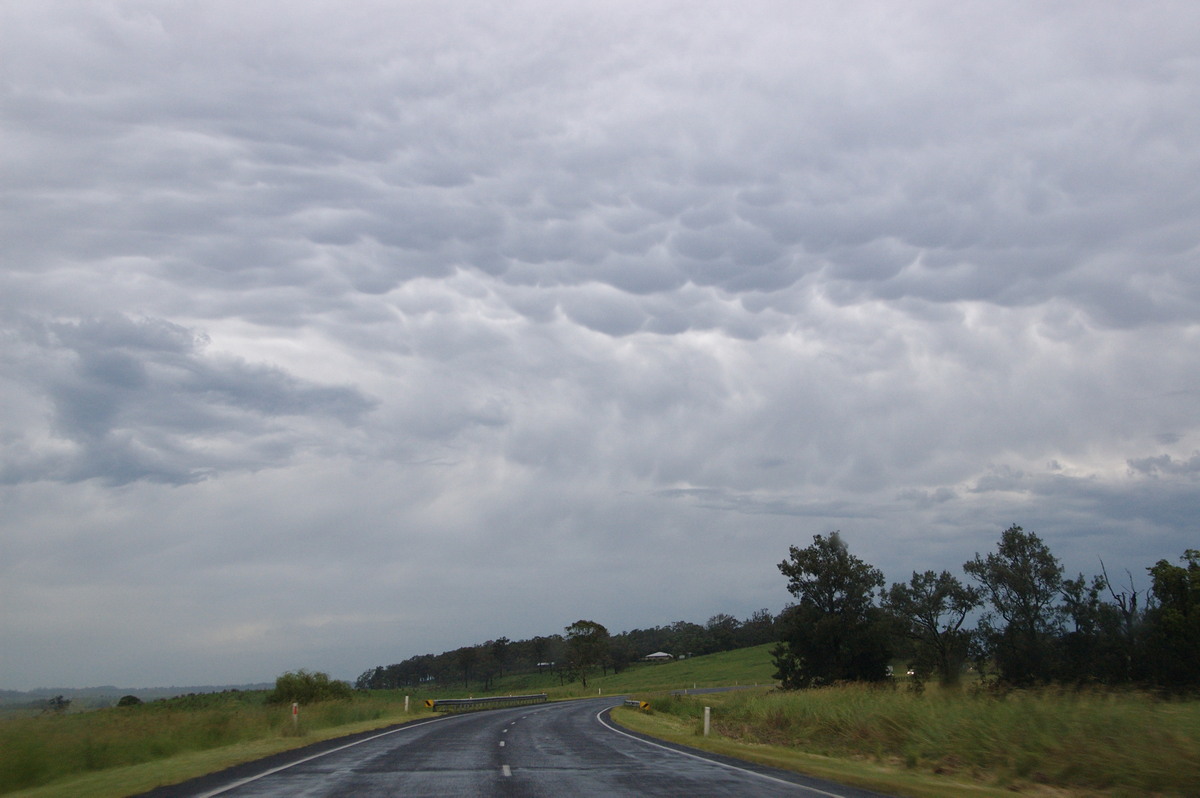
<point x="835" y="632"/>
<point x="587" y="647"/>
<point x="129" y="701"/>
<point x="305" y="687"/>
<point x="931" y="610"/>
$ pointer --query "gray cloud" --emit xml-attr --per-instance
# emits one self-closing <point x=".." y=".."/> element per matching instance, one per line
<point x="131" y="400"/>
<point x="319" y="296"/>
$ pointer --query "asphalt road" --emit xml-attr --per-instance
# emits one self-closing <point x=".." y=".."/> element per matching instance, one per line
<point x="561" y="749"/>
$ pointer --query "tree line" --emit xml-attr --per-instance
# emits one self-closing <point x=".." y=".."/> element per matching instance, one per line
<point x="584" y="647"/>
<point x="1033" y="623"/>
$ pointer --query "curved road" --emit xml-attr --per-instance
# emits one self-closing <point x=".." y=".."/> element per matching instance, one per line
<point x="568" y="748"/>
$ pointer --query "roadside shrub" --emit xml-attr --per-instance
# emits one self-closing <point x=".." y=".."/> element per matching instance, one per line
<point x="306" y="687"/>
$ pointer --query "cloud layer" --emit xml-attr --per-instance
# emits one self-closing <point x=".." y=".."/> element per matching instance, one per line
<point x="331" y="335"/>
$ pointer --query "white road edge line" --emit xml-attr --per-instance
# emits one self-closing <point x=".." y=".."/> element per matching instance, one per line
<point x="713" y="761"/>
<point x="272" y="771"/>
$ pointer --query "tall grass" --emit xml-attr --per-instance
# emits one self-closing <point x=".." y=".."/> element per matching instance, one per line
<point x="40" y="750"/>
<point x="1126" y="743"/>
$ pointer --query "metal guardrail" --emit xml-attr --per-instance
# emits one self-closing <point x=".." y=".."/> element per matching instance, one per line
<point x="490" y="702"/>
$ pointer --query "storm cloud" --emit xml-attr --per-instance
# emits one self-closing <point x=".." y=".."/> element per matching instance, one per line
<point x="333" y="334"/>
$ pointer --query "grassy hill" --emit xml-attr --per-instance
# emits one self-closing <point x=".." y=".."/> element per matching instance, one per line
<point x="739" y="667"/>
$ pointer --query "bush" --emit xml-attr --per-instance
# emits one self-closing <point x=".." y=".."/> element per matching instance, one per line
<point x="303" y="687"/>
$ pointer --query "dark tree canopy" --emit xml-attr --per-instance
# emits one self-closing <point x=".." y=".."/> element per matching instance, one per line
<point x="1174" y="621"/>
<point x="931" y="609"/>
<point x="1023" y="583"/>
<point x="587" y="647"/>
<point x="834" y="632"/>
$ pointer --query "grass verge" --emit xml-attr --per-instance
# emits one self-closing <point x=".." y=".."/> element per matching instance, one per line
<point x="1076" y="743"/>
<point x="123" y="751"/>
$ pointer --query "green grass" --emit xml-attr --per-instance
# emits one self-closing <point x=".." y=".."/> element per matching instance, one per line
<point x="1073" y="742"/>
<point x="744" y="666"/>
<point x="178" y="739"/>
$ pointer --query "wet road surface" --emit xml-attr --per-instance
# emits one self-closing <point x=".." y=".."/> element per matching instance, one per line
<point x="561" y="749"/>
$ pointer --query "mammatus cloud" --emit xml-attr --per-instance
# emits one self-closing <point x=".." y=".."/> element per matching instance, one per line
<point x="301" y="304"/>
<point x="120" y="400"/>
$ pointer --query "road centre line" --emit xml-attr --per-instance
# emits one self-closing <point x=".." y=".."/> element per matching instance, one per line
<point x="714" y="761"/>
<point x="506" y="770"/>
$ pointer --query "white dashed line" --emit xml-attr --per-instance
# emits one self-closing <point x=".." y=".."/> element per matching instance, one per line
<point x="506" y="770"/>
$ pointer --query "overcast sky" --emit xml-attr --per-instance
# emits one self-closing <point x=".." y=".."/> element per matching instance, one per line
<point x="336" y="333"/>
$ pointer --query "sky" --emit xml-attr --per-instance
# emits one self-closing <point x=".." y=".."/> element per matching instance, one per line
<point x="336" y="333"/>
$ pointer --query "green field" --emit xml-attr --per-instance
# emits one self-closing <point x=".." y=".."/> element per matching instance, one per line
<point x="895" y="740"/>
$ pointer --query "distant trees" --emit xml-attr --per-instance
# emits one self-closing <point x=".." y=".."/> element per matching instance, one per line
<point x="835" y="631"/>
<point x="486" y="662"/>
<point x="466" y="657"/>
<point x="1034" y="626"/>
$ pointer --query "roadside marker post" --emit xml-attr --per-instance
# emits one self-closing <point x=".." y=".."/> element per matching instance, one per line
<point x="295" y="714"/>
<point x="707" y="720"/>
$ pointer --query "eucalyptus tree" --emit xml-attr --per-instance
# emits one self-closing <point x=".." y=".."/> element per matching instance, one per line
<point x="931" y="609"/>
<point x="835" y="631"/>
<point x="587" y="647"/>
<point x="1022" y="583"/>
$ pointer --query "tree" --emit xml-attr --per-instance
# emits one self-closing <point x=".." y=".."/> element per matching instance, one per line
<point x="758" y="629"/>
<point x="722" y="631"/>
<point x="1022" y="581"/>
<point x="129" y="701"/>
<point x="466" y="658"/>
<point x="686" y="638"/>
<point x="1173" y="639"/>
<point x="500" y="654"/>
<point x="931" y="609"/>
<point x="587" y="647"/>
<point x="1101" y="645"/>
<point x="305" y="687"/>
<point x="620" y="653"/>
<point x="834" y="632"/>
